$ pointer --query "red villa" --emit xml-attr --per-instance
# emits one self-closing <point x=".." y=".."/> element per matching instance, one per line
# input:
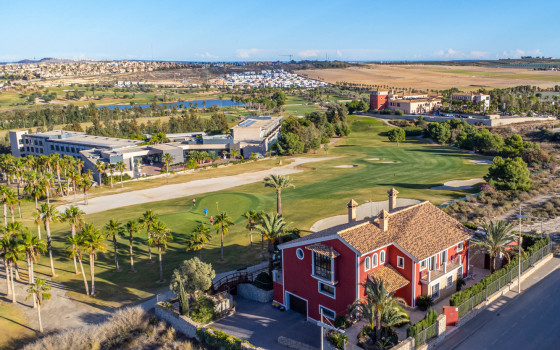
<point x="416" y="250"/>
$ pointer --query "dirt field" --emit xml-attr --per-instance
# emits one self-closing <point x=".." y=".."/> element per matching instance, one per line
<point x="435" y="77"/>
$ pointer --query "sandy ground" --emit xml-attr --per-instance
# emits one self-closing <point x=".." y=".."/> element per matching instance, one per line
<point x="458" y="185"/>
<point x="480" y="162"/>
<point x="166" y="192"/>
<point x="362" y="211"/>
<point x="432" y="76"/>
<point x="60" y="312"/>
<point x="346" y="166"/>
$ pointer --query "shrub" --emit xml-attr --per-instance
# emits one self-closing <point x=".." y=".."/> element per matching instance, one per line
<point x="342" y="322"/>
<point x="413" y="131"/>
<point x="424" y="302"/>
<point x="202" y="309"/>
<point x="116" y="178"/>
<point x="398" y="112"/>
<point x="263" y="281"/>
<point x="470" y="225"/>
<point x="218" y="340"/>
<point x="337" y="339"/>
<point x="460" y="283"/>
<point x="429" y="319"/>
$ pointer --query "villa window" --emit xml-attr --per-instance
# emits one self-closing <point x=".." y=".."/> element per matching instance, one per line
<point x="460" y="247"/>
<point x="327" y="289"/>
<point x="449" y="282"/>
<point x="382" y="257"/>
<point x="375" y="261"/>
<point x="400" y="262"/>
<point x="322" y="266"/>
<point x="423" y="264"/>
<point x="367" y="263"/>
<point x="443" y="257"/>
<point x="327" y="312"/>
<point x="435" y="291"/>
<point x="432" y="263"/>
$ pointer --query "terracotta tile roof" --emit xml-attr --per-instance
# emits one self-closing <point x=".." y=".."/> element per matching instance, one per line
<point x="392" y="279"/>
<point x="323" y="250"/>
<point x="422" y="230"/>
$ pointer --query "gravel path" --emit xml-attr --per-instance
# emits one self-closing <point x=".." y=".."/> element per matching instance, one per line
<point x="113" y="201"/>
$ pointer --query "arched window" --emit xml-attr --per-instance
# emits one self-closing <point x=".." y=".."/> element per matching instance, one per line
<point x="382" y="257"/>
<point x="374" y="259"/>
<point x="367" y="263"/>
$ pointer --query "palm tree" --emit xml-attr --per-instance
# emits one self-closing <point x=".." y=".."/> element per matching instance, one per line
<point x="46" y="184"/>
<point x="121" y="167"/>
<point x="234" y="153"/>
<point x="11" y="201"/>
<point x="376" y="301"/>
<point x="252" y="217"/>
<point x="222" y="222"/>
<point x="38" y="221"/>
<point x="49" y="214"/>
<point x="39" y="291"/>
<point x="36" y="190"/>
<point x="278" y="182"/>
<point x="100" y="166"/>
<point x="74" y="249"/>
<point x="74" y="216"/>
<point x="86" y="184"/>
<point x="112" y="168"/>
<point x="271" y="227"/>
<point x="131" y="228"/>
<point x="495" y="240"/>
<point x="147" y="220"/>
<point x="200" y="236"/>
<point x="167" y="159"/>
<point x="5" y="192"/>
<point x="93" y="242"/>
<point x="159" y="238"/>
<point x="11" y="250"/>
<point x="33" y="246"/>
<point x="113" y="227"/>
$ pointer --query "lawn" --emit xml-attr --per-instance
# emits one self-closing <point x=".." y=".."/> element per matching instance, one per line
<point x="13" y="325"/>
<point x="297" y="106"/>
<point x="321" y="191"/>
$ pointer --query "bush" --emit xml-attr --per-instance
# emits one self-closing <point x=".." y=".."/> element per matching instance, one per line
<point x="116" y="178"/>
<point x="460" y="283"/>
<point x="429" y="319"/>
<point x="470" y="225"/>
<point x="398" y="112"/>
<point x="342" y="322"/>
<point x="263" y="281"/>
<point x="413" y="131"/>
<point x="387" y="111"/>
<point x="424" y="302"/>
<point x="337" y="339"/>
<point x="202" y="309"/>
<point x="218" y="340"/>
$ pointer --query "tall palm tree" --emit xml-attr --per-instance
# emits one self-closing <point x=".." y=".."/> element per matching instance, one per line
<point x="49" y="214"/>
<point x="38" y="221"/>
<point x="36" y="190"/>
<point x="495" y="240"/>
<point x="131" y="228"/>
<point x="112" y="229"/>
<point x="12" y="200"/>
<point x="147" y="220"/>
<point x="4" y="193"/>
<point x="46" y="183"/>
<point x="93" y="242"/>
<point x="74" y="249"/>
<point x="121" y="167"/>
<point x="112" y="168"/>
<point x="11" y="251"/>
<point x="199" y="236"/>
<point x="252" y="217"/>
<point x="167" y="158"/>
<point x="160" y="236"/>
<point x="85" y="185"/>
<point x="234" y="153"/>
<point x="39" y="291"/>
<point x="100" y="166"/>
<point x="33" y="246"/>
<point x="279" y="183"/>
<point x="376" y="301"/>
<point x="222" y="222"/>
<point x="271" y="227"/>
<point x="74" y="216"/>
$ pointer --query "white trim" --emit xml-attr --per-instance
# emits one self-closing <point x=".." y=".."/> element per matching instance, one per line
<point x="283" y="283"/>
<point x="413" y="284"/>
<point x="326" y="284"/>
<point x="382" y="253"/>
<point x="348" y="245"/>
<point x="297" y="253"/>
<point x="413" y="258"/>
<point x="326" y="308"/>
<point x="366" y="260"/>
<point x="374" y="259"/>
<point x="378" y="248"/>
<point x="297" y="296"/>
<point x="447" y="285"/>
<point x="357" y="276"/>
<point x="403" y="264"/>
<point x="306" y="242"/>
<point x="462" y="247"/>
<point x="425" y="261"/>
<point x="332" y="280"/>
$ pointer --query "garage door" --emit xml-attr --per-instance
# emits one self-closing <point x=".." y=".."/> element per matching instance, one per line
<point x="298" y="305"/>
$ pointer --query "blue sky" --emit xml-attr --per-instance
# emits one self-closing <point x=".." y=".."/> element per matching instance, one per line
<point x="265" y="30"/>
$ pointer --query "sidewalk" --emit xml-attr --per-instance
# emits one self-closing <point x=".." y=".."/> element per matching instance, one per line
<point x="456" y="336"/>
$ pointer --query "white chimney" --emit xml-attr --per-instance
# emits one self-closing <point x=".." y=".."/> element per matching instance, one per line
<point x="392" y="199"/>
<point x="352" y="205"/>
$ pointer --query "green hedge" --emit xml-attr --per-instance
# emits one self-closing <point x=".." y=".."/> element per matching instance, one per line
<point x="429" y="319"/>
<point x="464" y="295"/>
<point x="116" y="178"/>
<point x="218" y="340"/>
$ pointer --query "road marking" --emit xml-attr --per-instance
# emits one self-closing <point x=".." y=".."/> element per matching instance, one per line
<point x="513" y="325"/>
<point x="504" y="333"/>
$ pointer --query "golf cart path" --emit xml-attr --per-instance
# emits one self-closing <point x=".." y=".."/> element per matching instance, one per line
<point x="166" y="192"/>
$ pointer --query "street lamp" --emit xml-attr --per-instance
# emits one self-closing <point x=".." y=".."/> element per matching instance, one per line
<point x="519" y="246"/>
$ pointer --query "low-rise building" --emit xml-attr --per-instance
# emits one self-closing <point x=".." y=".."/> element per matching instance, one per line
<point x="415" y="250"/>
<point x="408" y="103"/>
<point x="474" y="98"/>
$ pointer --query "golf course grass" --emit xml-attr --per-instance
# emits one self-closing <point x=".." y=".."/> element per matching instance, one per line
<point x="321" y="191"/>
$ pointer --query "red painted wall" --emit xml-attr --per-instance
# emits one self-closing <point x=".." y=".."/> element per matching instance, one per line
<point x="362" y="274"/>
<point x="408" y="271"/>
<point x="278" y="293"/>
<point x="378" y="102"/>
<point x="298" y="279"/>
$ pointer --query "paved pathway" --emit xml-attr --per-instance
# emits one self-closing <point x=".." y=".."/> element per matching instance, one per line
<point x="113" y="201"/>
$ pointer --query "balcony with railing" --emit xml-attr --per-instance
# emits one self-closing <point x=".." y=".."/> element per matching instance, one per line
<point x="453" y="264"/>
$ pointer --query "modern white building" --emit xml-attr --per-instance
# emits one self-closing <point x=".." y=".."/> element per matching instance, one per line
<point x="474" y="98"/>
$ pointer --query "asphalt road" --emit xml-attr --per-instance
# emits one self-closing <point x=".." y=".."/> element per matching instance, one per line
<point x="528" y="321"/>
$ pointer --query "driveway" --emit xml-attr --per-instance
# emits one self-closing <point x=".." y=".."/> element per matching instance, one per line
<point x="261" y="325"/>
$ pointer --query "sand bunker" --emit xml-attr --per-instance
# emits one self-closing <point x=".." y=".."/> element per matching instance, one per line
<point x="345" y="166"/>
<point x="458" y="185"/>
<point x="480" y="162"/>
<point x="373" y="159"/>
<point x="388" y="162"/>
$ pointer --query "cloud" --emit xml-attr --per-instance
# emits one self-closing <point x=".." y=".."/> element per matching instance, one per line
<point x="247" y="53"/>
<point x="517" y="53"/>
<point x="206" y="55"/>
<point x="456" y="54"/>
<point x="308" y="53"/>
<point x="338" y="53"/>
